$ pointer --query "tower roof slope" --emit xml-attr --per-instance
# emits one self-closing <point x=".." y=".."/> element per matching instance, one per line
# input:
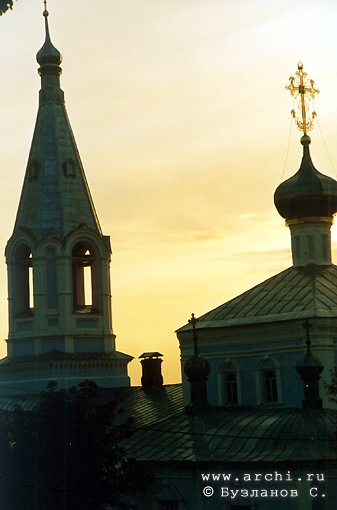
<point x="297" y="292"/>
<point x="55" y="194"/>
<point x="55" y="198"/>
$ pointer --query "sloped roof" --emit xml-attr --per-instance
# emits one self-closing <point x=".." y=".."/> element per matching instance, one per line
<point x="165" y="431"/>
<point x="297" y="292"/>
<point x="174" y="434"/>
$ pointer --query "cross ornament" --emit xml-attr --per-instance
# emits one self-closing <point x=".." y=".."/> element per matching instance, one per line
<point x="304" y="91"/>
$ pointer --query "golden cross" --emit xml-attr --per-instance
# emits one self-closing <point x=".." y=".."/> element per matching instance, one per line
<point x="303" y="90"/>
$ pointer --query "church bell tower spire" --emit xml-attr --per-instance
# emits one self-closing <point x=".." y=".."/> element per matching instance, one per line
<point x="58" y="260"/>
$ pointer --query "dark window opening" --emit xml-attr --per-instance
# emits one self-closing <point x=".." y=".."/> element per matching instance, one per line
<point x="85" y="297"/>
<point x="231" y="388"/>
<point x="24" y="281"/>
<point x="270" y="386"/>
<point x="69" y="168"/>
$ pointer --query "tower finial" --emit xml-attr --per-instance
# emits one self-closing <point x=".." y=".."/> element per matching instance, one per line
<point x="307" y="325"/>
<point x="193" y="320"/>
<point x="310" y="368"/>
<point x="45" y="12"/>
<point x="48" y="56"/>
<point x="303" y="90"/>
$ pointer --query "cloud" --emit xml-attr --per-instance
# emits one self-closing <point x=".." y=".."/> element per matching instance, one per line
<point x="207" y="236"/>
<point x="247" y="216"/>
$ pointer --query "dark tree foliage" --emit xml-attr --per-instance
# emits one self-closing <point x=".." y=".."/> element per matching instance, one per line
<point x="5" y="5"/>
<point x="331" y="387"/>
<point x="65" y="455"/>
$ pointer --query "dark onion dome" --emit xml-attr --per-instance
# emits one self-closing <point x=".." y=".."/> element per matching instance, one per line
<point x="308" y="193"/>
<point x="48" y="55"/>
<point x="310" y="366"/>
<point x="197" y="368"/>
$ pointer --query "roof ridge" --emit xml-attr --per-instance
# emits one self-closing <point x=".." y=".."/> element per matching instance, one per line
<point x="295" y="292"/>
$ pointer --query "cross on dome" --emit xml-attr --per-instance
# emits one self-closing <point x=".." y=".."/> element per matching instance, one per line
<point x="303" y="90"/>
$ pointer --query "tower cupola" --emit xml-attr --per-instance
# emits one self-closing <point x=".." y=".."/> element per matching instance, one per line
<point x="48" y="56"/>
<point x="308" y="200"/>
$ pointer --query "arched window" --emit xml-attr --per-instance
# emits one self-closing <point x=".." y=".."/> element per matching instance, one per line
<point x="270" y="385"/>
<point x="24" y="281"/>
<point x="231" y="388"/>
<point x="85" y="292"/>
<point x="268" y="381"/>
<point x="229" y="383"/>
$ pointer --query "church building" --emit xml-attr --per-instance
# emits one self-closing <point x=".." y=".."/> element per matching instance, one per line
<point x="254" y="341"/>
<point x="251" y="399"/>
<point x="60" y="324"/>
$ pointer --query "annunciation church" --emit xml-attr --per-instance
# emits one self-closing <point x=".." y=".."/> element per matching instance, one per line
<point x="251" y="399"/>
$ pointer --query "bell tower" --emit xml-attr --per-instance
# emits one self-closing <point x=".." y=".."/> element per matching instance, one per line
<point x="60" y="325"/>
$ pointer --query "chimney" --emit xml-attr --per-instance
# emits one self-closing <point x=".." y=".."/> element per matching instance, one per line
<point x="310" y="369"/>
<point x="151" y="369"/>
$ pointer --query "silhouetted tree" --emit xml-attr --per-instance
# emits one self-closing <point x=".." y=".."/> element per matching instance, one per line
<point x="331" y="386"/>
<point x="5" y="5"/>
<point x="66" y="454"/>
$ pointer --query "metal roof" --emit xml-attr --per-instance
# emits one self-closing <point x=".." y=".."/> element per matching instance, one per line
<point x="165" y="431"/>
<point x="297" y="292"/>
<point x="218" y="434"/>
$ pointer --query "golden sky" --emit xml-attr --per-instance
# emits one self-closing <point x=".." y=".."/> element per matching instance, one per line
<point x="182" y="121"/>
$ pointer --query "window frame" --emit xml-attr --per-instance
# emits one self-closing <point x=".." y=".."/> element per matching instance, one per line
<point x="228" y="367"/>
<point x="265" y="365"/>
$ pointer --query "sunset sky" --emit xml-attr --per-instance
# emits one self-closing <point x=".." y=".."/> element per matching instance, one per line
<point x="183" y="124"/>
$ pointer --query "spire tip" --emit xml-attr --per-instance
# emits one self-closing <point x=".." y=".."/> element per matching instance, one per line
<point x="45" y="12"/>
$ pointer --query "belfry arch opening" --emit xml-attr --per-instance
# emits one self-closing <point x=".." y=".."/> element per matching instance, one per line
<point x="84" y="267"/>
<point x="24" y="280"/>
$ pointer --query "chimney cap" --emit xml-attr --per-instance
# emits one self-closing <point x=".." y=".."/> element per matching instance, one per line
<point x="154" y="354"/>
